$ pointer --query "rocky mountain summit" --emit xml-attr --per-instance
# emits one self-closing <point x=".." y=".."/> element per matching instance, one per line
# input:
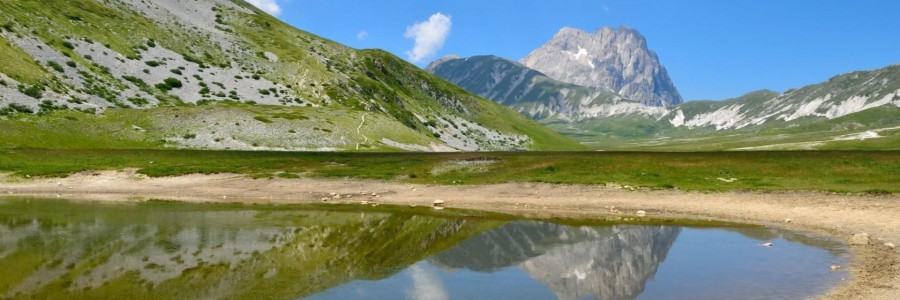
<point x="609" y="59"/>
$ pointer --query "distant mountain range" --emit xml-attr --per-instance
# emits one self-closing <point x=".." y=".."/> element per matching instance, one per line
<point x="609" y="91"/>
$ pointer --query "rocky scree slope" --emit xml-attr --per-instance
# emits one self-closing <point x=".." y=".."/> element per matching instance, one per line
<point x="127" y="57"/>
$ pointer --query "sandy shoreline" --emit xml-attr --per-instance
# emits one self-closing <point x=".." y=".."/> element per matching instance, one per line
<point x="875" y="267"/>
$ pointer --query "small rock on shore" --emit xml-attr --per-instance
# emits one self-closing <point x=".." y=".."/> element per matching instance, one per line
<point x="860" y="239"/>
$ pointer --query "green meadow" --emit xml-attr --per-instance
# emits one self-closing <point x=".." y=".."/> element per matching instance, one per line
<point x="835" y="171"/>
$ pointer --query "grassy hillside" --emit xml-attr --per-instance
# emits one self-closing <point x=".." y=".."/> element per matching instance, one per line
<point x="140" y="59"/>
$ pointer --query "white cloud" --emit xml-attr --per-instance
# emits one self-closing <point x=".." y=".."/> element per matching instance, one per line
<point x="362" y="35"/>
<point x="429" y="36"/>
<point x="426" y="285"/>
<point x="269" y="6"/>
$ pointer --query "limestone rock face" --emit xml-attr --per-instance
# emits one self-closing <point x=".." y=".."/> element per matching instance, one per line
<point x="609" y="59"/>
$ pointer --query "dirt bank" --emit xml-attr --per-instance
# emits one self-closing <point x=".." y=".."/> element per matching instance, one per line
<point x="875" y="268"/>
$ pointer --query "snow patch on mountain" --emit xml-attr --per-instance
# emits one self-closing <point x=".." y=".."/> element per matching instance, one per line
<point x="582" y="53"/>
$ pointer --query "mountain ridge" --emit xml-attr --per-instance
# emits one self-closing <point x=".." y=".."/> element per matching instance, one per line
<point x="841" y="95"/>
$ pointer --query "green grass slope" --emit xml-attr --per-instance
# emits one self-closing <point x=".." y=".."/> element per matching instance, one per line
<point x="93" y="56"/>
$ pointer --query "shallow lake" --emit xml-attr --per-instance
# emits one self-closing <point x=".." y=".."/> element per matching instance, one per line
<point x="54" y="249"/>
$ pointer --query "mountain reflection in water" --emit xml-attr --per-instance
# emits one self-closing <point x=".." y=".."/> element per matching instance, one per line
<point x="611" y="262"/>
<point x="543" y="260"/>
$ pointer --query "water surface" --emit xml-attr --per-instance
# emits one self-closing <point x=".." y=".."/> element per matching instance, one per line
<point x="51" y="249"/>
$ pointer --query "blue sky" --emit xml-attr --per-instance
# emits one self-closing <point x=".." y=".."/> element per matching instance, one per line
<point x="713" y="49"/>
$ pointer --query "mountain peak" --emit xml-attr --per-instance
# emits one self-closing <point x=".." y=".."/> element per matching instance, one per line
<point x="615" y="59"/>
<point x="430" y="68"/>
<point x="569" y="31"/>
<point x="624" y="32"/>
<point x="622" y="29"/>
